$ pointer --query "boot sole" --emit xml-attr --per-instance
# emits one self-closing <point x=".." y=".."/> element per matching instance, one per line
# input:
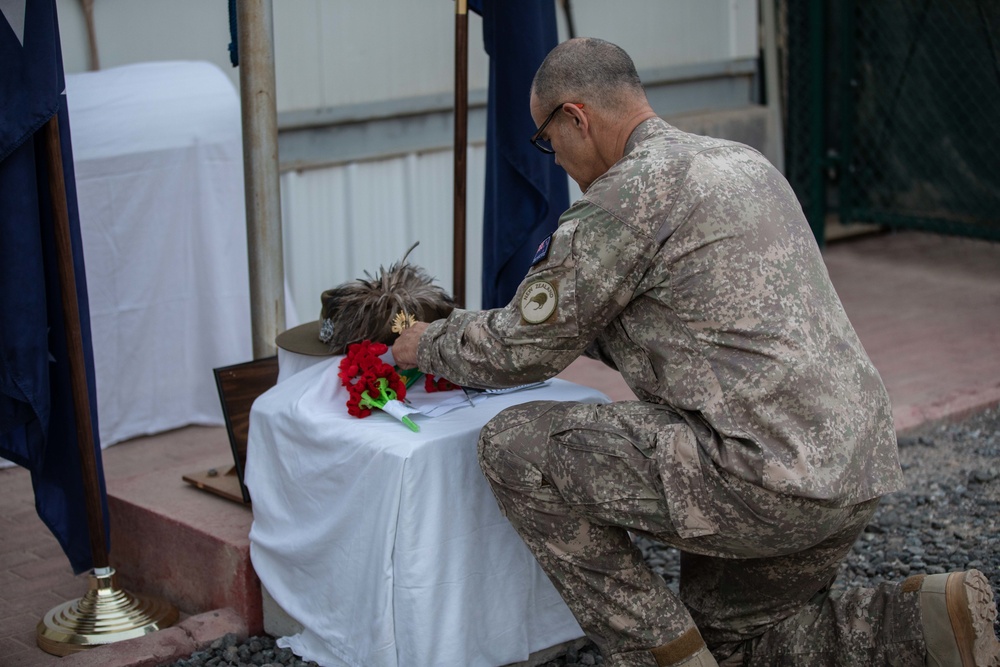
<point x="973" y="612"/>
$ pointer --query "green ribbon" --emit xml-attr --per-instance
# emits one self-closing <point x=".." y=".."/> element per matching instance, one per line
<point x="385" y="394"/>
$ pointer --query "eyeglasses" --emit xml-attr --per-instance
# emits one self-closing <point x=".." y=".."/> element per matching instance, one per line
<point x="543" y="144"/>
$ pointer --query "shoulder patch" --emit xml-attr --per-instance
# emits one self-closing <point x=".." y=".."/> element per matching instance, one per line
<point x="543" y="250"/>
<point x="538" y="302"/>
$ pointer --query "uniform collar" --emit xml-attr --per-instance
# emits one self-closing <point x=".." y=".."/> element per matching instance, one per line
<point x="642" y="131"/>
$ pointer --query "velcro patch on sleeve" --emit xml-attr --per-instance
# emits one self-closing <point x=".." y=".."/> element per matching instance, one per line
<point x="543" y="250"/>
<point x="538" y="301"/>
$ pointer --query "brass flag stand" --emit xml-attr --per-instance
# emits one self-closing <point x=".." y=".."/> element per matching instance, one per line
<point x="105" y="614"/>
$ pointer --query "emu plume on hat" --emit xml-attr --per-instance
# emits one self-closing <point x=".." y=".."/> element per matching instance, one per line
<point x="372" y="308"/>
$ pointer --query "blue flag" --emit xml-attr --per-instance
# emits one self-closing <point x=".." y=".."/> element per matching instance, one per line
<point x="37" y="423"/>
<point x="526" y="191"/>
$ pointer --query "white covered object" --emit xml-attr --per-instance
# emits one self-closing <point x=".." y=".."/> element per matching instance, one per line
<point x="386" y="545"/>
<point x="157" y="150"/>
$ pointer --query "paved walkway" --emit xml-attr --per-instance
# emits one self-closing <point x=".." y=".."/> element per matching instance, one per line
<point x="927" y="309"/>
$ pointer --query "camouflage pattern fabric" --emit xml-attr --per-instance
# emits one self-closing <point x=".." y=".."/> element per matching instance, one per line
<point x="690" y="268"/>
<point x="575" y="479"/>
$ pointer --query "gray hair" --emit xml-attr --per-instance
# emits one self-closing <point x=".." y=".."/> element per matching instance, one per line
<point x="588" y="70"/>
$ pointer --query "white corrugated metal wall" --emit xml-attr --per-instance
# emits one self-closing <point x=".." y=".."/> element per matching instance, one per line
<point x="342" y="221"/>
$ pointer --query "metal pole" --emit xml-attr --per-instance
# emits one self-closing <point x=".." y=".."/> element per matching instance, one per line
<point x="775" y="130"/>
<point x="816" y="211"/>
<point x="88" y="17"/>
<point x="255" y="30"/>
<point x="74" y="340"/>
<point x="461" y="142"/>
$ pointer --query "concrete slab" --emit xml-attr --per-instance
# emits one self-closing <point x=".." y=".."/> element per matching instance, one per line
<point x="184" y="545"/>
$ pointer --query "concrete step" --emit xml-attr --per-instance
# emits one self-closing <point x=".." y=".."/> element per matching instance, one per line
<point x="182" y="544"/>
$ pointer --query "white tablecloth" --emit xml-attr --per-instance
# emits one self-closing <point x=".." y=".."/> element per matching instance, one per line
<point x="157" y="150"/>
<point x="387" y="545"/>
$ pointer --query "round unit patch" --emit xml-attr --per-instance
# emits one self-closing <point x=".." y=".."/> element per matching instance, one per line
<point x="538" y="302"/>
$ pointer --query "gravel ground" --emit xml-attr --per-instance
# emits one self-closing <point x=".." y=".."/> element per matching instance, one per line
<point x="947" y="518"/>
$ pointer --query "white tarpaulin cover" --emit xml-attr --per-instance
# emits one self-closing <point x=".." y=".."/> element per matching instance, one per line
<point x="158" y="155"/>
<point x="387" y="545"/>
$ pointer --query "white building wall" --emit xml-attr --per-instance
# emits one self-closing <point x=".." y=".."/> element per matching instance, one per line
<point x="342" y="218"/>
<point x="333" y="53"/>
<point x="665" y="33"/>
<point x="328" y="53"/>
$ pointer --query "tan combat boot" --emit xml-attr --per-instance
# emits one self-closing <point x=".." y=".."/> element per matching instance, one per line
<point x="957" y="613"/>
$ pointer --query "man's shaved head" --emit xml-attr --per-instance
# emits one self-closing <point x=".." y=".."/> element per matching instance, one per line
<point x="588" y="70"/>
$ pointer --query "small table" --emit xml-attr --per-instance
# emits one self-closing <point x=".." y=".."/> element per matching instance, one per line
<point x="386" y="545"/>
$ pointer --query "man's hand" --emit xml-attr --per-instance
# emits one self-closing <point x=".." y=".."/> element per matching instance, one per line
<point x="404" y="350"/>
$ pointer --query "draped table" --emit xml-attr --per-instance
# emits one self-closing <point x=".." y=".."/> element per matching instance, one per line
<point x="386" y="545"/>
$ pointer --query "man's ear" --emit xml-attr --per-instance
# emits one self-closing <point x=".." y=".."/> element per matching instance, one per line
<point x="580" y="118"/>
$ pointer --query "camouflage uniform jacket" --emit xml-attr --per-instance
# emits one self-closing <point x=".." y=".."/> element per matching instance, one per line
<point x="690" y="268"/>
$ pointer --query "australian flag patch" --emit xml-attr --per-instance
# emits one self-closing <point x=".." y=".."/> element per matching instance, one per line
<point x="543" y="250"/>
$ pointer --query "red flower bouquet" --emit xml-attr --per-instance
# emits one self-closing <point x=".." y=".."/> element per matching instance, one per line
<point x="372" y="383"/>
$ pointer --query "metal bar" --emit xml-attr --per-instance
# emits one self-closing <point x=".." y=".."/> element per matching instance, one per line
<point x="775" y="130"/>
<point x="988" y="230"/>
<point x="255" y="32"/>
<point x="461" y="144"/>
<point x="433" y="103"/>
<point x="74" y="341"/>
<point x="570" y="25"/>
<point x="848" y="105"/>
<point x="817" y="122"/>
<point x="94" y="63"/>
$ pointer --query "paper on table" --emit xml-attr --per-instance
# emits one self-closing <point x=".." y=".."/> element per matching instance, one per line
<point x="441" y="402"/>
<point x="436" y="404"/>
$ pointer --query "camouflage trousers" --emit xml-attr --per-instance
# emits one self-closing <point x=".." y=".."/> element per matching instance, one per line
<point x="575" y="479"/>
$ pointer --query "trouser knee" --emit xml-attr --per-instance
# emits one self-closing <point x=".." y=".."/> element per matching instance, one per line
<point x="513" y="446"/>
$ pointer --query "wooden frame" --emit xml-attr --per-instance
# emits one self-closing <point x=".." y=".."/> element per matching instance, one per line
<point x="239" y="386"/>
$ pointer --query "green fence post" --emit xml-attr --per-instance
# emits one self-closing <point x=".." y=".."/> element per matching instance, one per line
<point x="848" y="101"/>
<point x="816" y="212"/>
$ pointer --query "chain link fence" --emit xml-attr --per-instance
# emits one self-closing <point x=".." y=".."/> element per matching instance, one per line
<point x="892" y="112"/>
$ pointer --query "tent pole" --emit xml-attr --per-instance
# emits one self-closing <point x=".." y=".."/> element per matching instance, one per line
<point x="260" y="173"/>
<point x="461" y="143"/>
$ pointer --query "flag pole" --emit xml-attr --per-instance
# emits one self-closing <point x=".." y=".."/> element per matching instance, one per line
<point x="105" y="614"/>
<point x="74" y="344"/>
<point x="461" y="143"/>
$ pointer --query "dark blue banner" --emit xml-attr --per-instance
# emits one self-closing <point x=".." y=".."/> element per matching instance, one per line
<point x="526" y="191"/>
<point x="37" y="423"/>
